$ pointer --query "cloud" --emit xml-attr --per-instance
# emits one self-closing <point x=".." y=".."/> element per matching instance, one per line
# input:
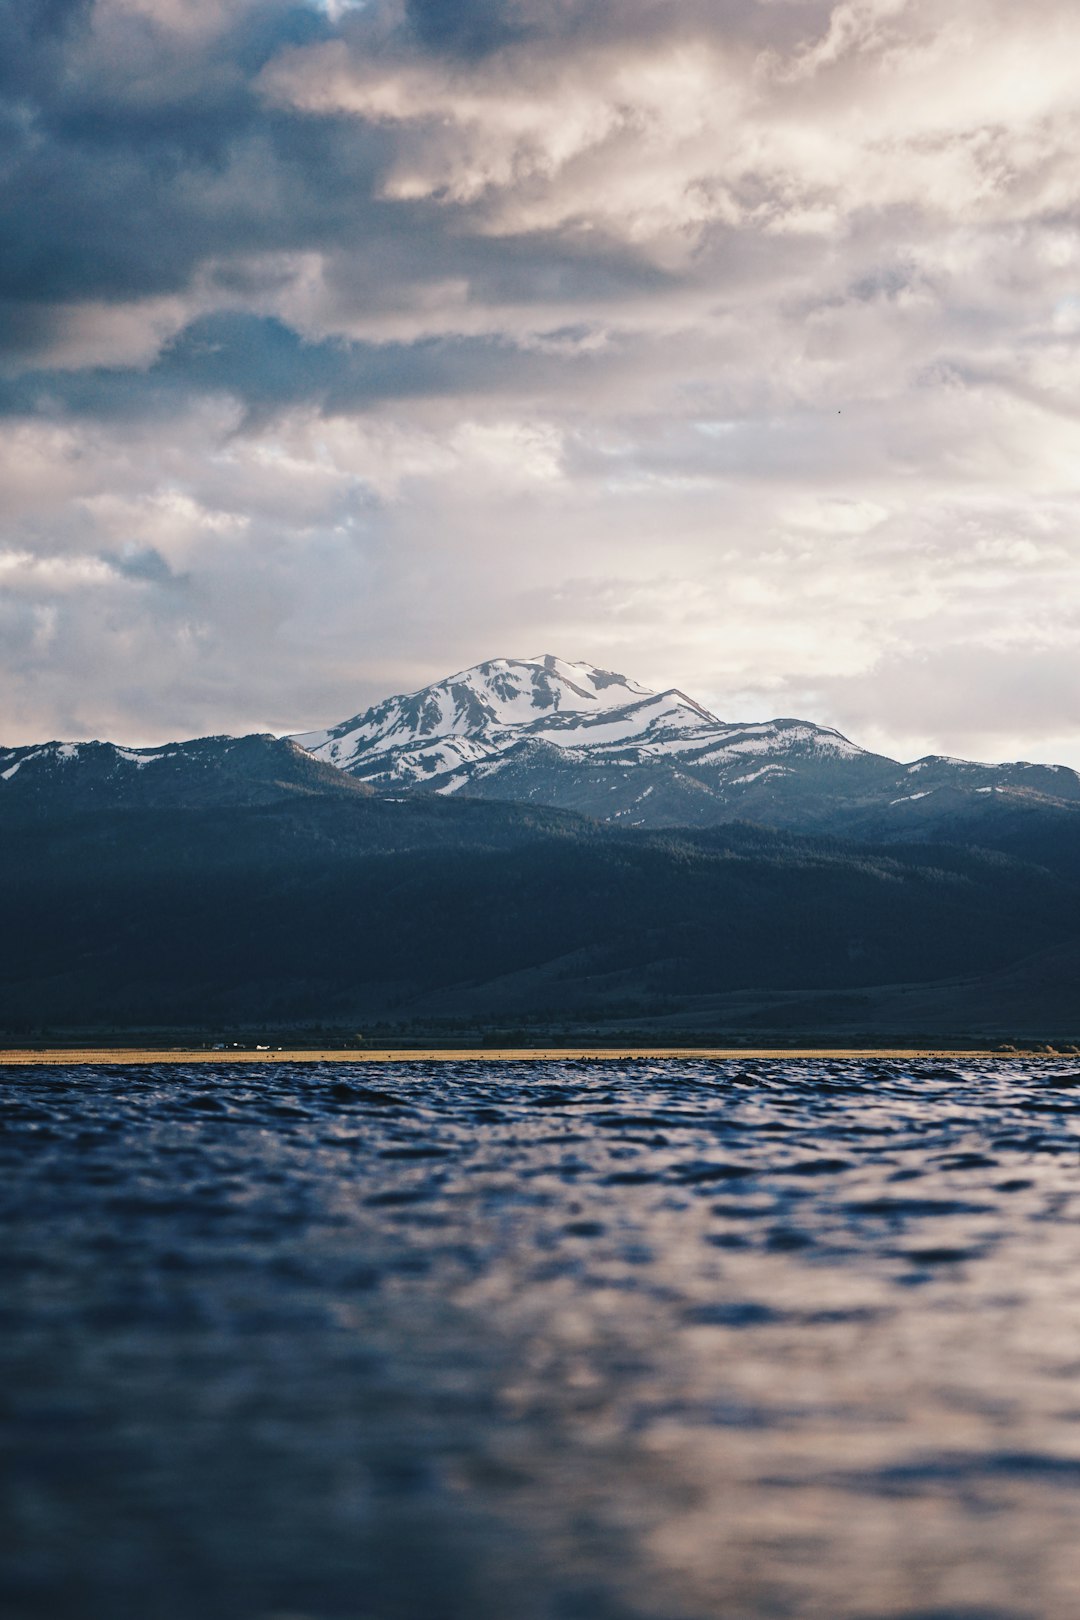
<point x="144" y="563"/>
<point x="341" y="345"/>
<point x="653" y="137"/>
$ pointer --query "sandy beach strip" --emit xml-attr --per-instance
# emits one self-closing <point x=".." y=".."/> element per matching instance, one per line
<point x="15" y="1058"/>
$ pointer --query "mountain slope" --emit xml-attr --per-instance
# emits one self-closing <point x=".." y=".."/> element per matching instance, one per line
<point x="438" y="736"/>
<point x="328" y="909"/>
<point x="544" y="731"/>
<point x="229" y="879"/>
<point x="53" y="779"/>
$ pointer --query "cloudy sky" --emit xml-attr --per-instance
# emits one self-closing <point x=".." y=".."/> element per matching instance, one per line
<point x="728" y="343"/>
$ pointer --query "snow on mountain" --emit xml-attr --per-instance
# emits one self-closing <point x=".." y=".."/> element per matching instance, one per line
<point x="546" y="731"/>
<point x="51" y="755"/>
<point x="462" y="729"/>
<point x="479" y="713"/>
<point x="549" y="731"/>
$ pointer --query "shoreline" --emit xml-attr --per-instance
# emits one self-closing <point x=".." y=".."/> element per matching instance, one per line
<point x="112" y="1056"/>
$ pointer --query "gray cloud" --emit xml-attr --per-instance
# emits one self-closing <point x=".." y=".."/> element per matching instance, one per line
<point x="143" y="563"/>
<point x="266" y="367"/>
<point x="732" y="344"/>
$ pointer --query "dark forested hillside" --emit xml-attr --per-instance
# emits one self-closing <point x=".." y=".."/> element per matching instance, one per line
<point x="345" y="907"/>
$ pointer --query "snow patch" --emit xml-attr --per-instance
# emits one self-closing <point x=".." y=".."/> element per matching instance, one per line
<point x="754" y="776"/>
<point x="138" y="759"/>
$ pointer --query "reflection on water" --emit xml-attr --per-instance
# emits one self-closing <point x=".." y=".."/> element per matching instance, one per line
<point x="676" y="1340"/>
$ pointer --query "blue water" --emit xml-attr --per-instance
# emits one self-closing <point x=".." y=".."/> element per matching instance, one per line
<point x="650" y="1341"/>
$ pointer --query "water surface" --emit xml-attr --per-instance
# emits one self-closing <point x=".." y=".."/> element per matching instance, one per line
<point x="677" y="1340"/>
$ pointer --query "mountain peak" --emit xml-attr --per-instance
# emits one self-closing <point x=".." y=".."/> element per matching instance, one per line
<point x="441" y="735"/>
<point x="498" y="694"/>
<point x="510" y="690"/>
<point x="547" y="730"/>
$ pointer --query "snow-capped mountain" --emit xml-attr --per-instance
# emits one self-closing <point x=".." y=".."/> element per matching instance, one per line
<point x="573" y="736"/>
<point x="459" y="729"/>
<point x="548" y="733"/>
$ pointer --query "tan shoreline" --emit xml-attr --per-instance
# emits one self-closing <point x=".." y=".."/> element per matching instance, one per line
<point x="152" y="1055"/>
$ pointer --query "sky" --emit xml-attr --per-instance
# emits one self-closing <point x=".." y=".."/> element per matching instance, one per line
<point x="730" y="344"/>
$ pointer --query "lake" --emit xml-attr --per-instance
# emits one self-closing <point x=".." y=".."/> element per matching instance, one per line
<point x="655" y="1340"/>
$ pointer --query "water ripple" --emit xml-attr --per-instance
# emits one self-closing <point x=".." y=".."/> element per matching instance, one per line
<point x="559" y="1341"/>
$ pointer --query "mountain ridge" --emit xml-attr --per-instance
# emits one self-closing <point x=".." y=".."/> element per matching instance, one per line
<point x="56" y="777"/>
<point x="576" y="737"/>
<point x="546" y="732"/>
<point x="246" y="878"/>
